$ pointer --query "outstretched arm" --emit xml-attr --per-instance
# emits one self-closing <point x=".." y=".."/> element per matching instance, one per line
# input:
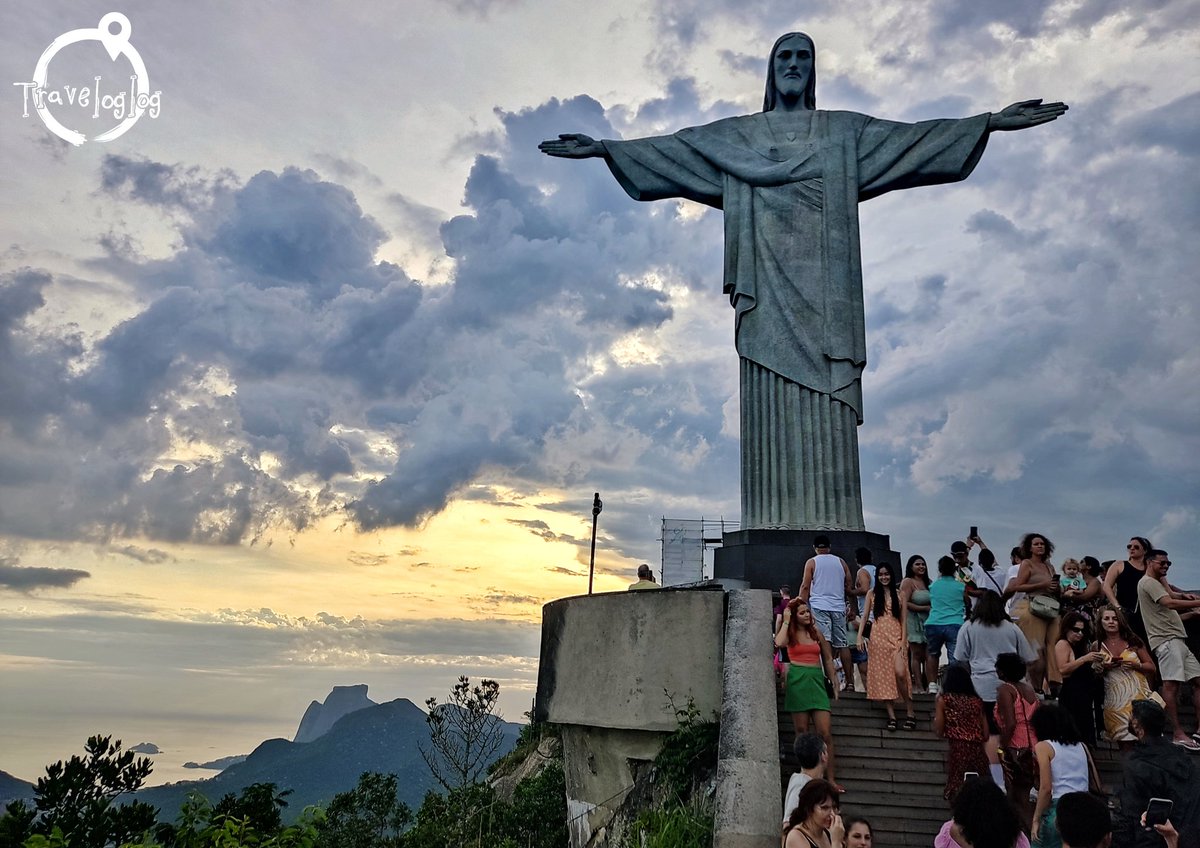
<point x="1026" y="114"/>
<point x="572" y="146"/>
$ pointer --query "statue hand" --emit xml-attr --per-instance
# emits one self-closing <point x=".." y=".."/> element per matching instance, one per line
<point x="1027" y="113"/>
<point x="572" y="146"/>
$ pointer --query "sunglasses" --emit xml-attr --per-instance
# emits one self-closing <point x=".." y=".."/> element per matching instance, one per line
<point x="1079" y="630"/>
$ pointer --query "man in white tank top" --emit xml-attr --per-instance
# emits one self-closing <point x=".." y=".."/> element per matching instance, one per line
<point x="825" y="587"/>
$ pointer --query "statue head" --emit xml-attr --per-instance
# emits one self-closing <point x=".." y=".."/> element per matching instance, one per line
<point x="809" y="84"/>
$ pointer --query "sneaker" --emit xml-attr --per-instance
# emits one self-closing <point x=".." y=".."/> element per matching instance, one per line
<point x="1188" y="744"/>
<point x="1196" y="736"/>
<point x="933" y="690"/>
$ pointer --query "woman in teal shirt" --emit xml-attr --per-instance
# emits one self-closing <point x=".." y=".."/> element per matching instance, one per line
<point x="946" y="607"/>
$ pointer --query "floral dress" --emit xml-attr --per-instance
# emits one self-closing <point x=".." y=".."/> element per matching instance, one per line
<point x="966" y="733"/>
<point x="1123" y="686"/>
<point x="887" y="642"/>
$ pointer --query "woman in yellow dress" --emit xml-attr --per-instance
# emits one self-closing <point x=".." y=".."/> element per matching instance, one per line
<point x="1125" y="667"/>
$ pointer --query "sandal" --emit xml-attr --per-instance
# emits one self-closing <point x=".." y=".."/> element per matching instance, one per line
<point x="910" y="723"/>
<point x="891" y="725"/>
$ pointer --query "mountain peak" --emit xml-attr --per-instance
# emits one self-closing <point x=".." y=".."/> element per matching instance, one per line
<point x="341" y="701"/>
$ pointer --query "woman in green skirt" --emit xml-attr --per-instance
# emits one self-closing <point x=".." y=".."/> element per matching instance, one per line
<point x="807" y="693"/>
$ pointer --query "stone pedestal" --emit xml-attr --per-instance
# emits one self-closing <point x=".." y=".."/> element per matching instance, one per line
<point x="768" y="559"/>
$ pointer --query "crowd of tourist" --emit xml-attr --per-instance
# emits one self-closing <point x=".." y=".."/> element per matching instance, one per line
<point x="1043" y="664"/>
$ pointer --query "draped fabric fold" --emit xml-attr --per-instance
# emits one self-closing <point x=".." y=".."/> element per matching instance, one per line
<point x="798" y="446"/>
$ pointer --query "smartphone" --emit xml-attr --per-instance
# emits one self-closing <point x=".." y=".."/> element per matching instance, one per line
<point x="967" y="775"/>
<point x="1158" y="811"/>
<point x="974" y="532"/>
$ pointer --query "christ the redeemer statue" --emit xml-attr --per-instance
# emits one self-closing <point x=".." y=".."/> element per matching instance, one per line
<point x="789" y="180"/>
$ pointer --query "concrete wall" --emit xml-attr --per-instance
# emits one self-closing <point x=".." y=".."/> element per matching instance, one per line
<point x="748" y="793"/>
<point x="608" y="660"/>
<point x="607" y="664"/>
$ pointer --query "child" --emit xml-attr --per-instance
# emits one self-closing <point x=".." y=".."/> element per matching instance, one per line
<point x="1071" y="586"/>
<point x="1071" y="580"/>
<point x="958" y="716"/>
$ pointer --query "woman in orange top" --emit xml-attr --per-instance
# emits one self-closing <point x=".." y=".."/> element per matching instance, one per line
<point x="810" y="668"/>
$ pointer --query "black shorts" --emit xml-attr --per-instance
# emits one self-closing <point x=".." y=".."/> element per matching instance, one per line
<point x="989" y="710"/>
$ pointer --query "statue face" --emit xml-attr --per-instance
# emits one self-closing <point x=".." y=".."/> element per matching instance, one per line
<point x="793" y="64"/>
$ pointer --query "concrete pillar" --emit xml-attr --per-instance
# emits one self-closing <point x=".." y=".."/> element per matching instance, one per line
<point x="748" y="798"/>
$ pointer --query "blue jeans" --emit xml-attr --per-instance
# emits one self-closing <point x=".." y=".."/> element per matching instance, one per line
<point x="937" y="635"/>
<point x="832" y="626"/>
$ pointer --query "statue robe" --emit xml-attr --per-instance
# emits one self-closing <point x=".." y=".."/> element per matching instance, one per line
<point x="789" y="185"/>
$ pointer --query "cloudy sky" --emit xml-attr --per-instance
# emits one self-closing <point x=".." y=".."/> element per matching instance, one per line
<point x="309" y="380"/>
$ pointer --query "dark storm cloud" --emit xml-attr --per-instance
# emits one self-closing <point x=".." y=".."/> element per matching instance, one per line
<point x="558" y="569"/>
<point x="294" y="229"/>
<point x="32" y="363"/>
<point x="150" y="556"/>
<point x="1030" y="18"/>
<point x="28" y="578"/>
<point x="538" y="528"/>
<point x="367" y="560"/>
<point x="1174" y="126"/>
<point x="160" y="184"/>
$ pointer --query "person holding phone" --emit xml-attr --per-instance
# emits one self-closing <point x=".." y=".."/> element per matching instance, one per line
<point x="1163" y="828"/>
<point x="1154" y="768"/>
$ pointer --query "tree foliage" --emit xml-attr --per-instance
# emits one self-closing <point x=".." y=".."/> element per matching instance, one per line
<point x="369" y="816"/>
<point x="252" y="817"/>
<point x="464" y="733"/>
<point x="202" y="825"/>
<point x="258" y="804"/>
<point x="688" y="755"/>
<point x="473" y="817"/>
<point x="76" y="801"/>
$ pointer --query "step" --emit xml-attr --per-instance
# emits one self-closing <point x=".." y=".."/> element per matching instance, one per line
<point x="895" y="779"/>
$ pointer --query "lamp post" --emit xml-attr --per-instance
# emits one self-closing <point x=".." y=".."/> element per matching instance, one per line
<point x="596" y="508"/>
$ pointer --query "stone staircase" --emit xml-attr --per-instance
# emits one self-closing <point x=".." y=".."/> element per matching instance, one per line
<point x="895" y="780"/>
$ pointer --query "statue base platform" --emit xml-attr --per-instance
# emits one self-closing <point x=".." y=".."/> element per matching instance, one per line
<point x="768" y="559"/>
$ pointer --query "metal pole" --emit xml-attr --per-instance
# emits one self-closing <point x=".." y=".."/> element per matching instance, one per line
<point x="596" y="507"/>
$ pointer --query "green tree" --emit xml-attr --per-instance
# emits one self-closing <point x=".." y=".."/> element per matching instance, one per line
<point x="462" y="817"/>
<point x="256" y="810"/>
<point x="201" y="826"/>
<point x="537" y="815"/>
<point x="370" y="815"/>
<point x="258" y="804"/>
<point x="78" y="798"/>
<point x="16" y="825"/>
<point x="464" y="733"/>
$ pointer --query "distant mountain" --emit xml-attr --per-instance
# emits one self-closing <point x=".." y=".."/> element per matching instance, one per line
<point x="219" y="764"/>
<point x="380" y="738"/>
<point x="146" y="748"/>
<point x="13" y="788"/>
<point x="318" y="718"/>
